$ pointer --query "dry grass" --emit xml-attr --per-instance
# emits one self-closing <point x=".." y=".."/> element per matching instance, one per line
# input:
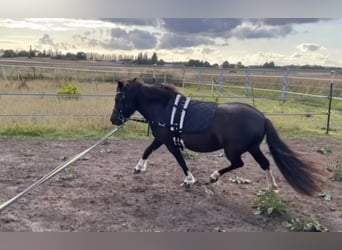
<point x="103" y="84"/>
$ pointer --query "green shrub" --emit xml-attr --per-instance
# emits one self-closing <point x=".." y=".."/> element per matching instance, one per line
<point x="268" y="203"/>
<point x="69" y="91"/>
<point x="305" y="225"/>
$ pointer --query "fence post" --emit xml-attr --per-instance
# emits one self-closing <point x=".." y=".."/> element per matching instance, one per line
<point x="199" y="77"/>
<point x="183" y="83"/>
<point x="154" y="74"/>
<point x="221" y="79"/>
<point x="285" y="86"/>
<point x="248" y="82"/>
<point x="330" y="97"/>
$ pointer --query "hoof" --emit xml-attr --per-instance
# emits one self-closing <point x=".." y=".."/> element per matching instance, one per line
<point x="213" y="179"/>
<point x="187" y="186"/>
<point x="137" y="171"/>
<point x="274" y="189"/>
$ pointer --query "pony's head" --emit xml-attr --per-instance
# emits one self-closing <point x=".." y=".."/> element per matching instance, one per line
<point x="125" y="101"/>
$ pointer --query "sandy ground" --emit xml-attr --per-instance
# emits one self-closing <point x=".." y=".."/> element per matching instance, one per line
<point x="101" y="193"/>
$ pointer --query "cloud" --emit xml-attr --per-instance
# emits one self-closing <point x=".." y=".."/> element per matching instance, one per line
<point x="309" y="47"/>
<point x="118" y="38"/>
<point x="286" y="21"/>
<point x="171" y="40"/>
<point x="47" y="41"/>
<point x="134" y="39"/>
<point x="54" y="24"/>
<point x="133" y="21"/>
<point x="207" y="51"/>
<point x="250" y="30"/>
<point x="200" y="25"/>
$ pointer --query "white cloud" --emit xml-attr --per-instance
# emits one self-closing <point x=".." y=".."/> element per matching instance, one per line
<point x="309" y="47"/>
<point x="54" y="24"/>
<point x="252" y="30"/>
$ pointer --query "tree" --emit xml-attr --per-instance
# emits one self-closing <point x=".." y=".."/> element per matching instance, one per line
<point x="81" y="56"/>
<point x="154" y="58"/>
<point x="225" y="64"/>
<point x="268" y="65"/>
<point x="9" y="53"/>
<point x="23" y="53"/>
<point x="239" y="65"/>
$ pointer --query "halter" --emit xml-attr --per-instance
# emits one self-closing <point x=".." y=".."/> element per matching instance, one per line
<point x="121" y="117"/>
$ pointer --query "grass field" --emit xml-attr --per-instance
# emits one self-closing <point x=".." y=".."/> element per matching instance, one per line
<point x="302" y="116"/>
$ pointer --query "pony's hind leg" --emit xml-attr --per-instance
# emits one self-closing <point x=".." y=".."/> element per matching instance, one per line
<point x="236" y="162"/>
<point x="142" y="164"/>
<point x="265" y="165"/>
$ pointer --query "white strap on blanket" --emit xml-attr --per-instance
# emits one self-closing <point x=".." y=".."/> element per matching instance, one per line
<point x="187" y="101"/>
<point x="174" y="110"/>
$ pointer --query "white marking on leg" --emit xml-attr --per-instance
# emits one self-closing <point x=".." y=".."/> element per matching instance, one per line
<point x="189" y="179"/>
<point x="271" y="183"/>
<point x="215" y="176"/>
<point x="141" y="166"/>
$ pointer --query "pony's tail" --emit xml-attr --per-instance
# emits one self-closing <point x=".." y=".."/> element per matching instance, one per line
<point x="301" y="175"/>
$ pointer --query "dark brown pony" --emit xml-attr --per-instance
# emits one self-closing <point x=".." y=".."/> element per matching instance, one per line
<point x="236" y="127"/>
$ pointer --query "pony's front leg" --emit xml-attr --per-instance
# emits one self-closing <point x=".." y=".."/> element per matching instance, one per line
<point x="189" y="178"/>
<point x="142" y="164"/>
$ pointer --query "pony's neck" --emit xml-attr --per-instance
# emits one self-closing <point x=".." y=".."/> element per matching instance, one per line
<point x="152" y="102"/>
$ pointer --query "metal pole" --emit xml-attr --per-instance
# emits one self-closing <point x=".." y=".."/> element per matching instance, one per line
<point x="330" y="103"/>
<point x="248" y="82"/>
<point x="55" y="171"/>
<point x="285" y="86"/>
<point x="199" y="78"/>
<point x="221" y="79"/>
<point x="183" y="83"/>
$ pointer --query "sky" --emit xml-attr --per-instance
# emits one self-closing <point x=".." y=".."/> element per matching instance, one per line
<point x="251" y="41"/>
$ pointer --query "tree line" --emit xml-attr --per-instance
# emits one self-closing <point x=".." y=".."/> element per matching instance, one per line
<point x="142" y="58"/>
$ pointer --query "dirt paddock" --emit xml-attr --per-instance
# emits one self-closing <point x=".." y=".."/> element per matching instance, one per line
<point x="101" y="193"/>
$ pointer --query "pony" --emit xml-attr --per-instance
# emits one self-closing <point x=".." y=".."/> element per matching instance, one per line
<point x="234" y="127"/>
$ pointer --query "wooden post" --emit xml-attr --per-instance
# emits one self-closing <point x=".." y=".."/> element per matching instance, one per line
<point x="330" y="97"/>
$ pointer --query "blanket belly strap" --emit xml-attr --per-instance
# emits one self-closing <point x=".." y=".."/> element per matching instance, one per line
<point x="179" y="110"/>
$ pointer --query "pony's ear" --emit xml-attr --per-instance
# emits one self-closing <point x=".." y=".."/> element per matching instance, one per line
<point x="120" y="84"/>
<point x="136" y="79"/>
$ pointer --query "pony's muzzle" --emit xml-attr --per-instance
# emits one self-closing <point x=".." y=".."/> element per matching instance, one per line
<point x="118" y="121"/>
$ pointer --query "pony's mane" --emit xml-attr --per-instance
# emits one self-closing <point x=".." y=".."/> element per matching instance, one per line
<point x="160" y="92"/>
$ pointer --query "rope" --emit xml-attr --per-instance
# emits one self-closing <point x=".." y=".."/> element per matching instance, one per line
<point x="55" y="171"/>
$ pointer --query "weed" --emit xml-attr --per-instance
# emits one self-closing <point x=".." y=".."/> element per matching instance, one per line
<point x="239" y="180"/>
<point x="189" y="155"/>
<point x="305" y="225"/>
<point x="151" y="230"/>
<point x="325" y="196"/>
<point x="218" y="229"/>
<point x="268" y="203"/>
<point x="337" y="171"/>
<point x="68" y="175"/>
